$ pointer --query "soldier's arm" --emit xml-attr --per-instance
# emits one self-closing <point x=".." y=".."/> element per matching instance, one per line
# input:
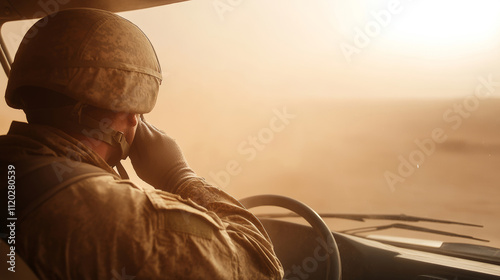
<point x="158" y="160"/>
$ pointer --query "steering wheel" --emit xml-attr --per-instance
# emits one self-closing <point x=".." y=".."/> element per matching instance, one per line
<point x="333" y="266"/>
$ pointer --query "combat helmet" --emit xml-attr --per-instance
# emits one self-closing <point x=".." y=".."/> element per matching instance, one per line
<point x="92" y="56"/>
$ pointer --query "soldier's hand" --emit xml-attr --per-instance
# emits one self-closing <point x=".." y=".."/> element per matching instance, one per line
<point x="157" y="159"/>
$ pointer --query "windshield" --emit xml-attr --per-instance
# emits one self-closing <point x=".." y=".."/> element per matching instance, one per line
<point x="386" y="107"/>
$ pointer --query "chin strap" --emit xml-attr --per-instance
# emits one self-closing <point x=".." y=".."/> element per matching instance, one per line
<point x="112" y="137"/>
<point x="83" y="121"/>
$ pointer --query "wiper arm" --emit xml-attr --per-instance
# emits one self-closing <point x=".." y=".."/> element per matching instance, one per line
<point x="401" y="217"/>
<point x="363" y="217"/>
<point x="356" y="231"/>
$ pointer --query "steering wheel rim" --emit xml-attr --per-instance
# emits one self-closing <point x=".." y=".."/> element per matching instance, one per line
<point x="333" y="266"/>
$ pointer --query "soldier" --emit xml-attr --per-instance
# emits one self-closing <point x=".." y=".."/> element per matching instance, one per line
<point x="84" y="77"/>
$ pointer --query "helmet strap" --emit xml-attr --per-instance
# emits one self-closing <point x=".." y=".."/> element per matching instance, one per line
<point x="112" y="137"/>
<point x="84" y="121"/>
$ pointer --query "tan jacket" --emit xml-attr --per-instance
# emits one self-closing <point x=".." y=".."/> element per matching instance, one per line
<point x="104" y="227"/>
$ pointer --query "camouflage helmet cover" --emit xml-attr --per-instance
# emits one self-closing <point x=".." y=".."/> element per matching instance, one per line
<point x="93" y="56"/>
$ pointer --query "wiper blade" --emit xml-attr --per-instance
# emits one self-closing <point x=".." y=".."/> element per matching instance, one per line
<point x="401" y="217"/>
<point x="363" y="217"/>
<point x="356" y="231"/>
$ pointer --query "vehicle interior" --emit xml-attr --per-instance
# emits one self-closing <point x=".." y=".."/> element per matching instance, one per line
<point x="384" y="165"/>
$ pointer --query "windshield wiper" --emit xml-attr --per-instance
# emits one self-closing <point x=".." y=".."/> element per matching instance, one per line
<point x="356" y="231"/>
<point x="400" y="217"/>
<point x="363" y="217"/>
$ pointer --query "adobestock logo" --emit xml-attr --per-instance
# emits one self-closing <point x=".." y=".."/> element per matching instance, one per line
<point x="363" y="36"/>
<point x="121" y="276"/>
<point x="252" y="146"/>
<point x="310" y="264"/>
<point x="224" y="6"/>
<point x="48" y="7"/>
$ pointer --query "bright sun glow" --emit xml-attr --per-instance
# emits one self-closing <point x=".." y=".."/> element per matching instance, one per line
<point x="448" y="24"/>
<point x="433" y="28"/>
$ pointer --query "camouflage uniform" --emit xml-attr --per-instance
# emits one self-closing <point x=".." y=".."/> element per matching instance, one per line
<point x="104" y="227"/>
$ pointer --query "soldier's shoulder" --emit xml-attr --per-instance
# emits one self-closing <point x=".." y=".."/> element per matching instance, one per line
<point x="163" y="210"/>
<point x="183" y="215"/>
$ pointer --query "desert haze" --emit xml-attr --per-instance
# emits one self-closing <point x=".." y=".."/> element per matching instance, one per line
<point x="351" y="156"/>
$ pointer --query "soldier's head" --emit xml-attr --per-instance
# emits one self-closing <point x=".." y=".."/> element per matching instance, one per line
<point x="84" y="71"/>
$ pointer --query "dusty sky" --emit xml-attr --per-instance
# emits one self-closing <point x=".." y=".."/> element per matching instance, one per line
<point x="329" y="48"/>
<point x="356" y="49"/>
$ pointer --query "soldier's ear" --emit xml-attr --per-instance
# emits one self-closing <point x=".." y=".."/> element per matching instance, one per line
<point x="133" y="119"/>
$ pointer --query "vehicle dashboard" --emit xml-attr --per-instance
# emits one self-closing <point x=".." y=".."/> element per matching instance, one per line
<point x="302" y="254"/>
